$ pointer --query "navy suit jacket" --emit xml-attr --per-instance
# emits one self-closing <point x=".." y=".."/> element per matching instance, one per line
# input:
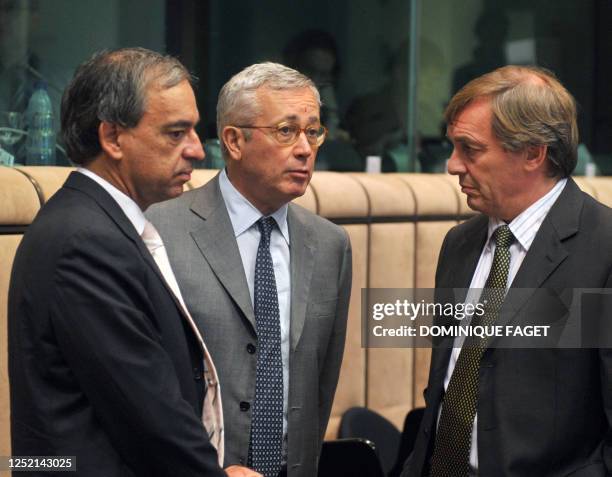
<point x="102" y="364"/>
<point x="541" y="412"/>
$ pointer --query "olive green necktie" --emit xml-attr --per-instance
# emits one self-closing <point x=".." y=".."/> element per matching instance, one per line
<point x="451" y="456"/>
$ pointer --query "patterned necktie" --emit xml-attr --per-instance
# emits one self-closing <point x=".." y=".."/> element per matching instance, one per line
<point x="451" y="456"/>
<point x="212" y="411"/>
<point x="267" y="420"/>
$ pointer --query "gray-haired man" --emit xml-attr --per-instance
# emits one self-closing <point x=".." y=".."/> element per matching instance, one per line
<point x="267" y="282"/>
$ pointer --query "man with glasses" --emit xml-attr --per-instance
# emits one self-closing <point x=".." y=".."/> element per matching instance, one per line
<point x="266" y="281"/>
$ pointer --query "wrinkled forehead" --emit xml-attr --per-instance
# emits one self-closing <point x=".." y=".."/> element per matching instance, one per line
<point x="477" y="113"/>
<point x="295" y="104"/>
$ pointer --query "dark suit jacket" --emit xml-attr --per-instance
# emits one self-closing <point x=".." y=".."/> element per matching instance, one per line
<point x="201" y="244"/>
<point x="541" y="412"/>
<point x="102" y="365"/>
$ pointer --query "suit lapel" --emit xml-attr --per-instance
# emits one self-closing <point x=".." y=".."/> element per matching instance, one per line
<point x="303" y="246"/>
<point x="455" y="276"/>
<point x="222" y="254"/>
<point x="86" y="185"/>
<point x="465" y="259"/>
<point x="547" y="251"/>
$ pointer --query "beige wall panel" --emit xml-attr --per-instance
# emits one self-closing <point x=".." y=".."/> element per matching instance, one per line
<point x="603" y="189"/>
<point x="199" y="177"/>
<point x="434" y="193"/>
<point x="390" y="382"/>
<point x="422" y="359"/>
<point x="429" y="238"/>
<point x="351" y="387"/>
<point x="332" y="427"/>
<point x="308" y="200"/>
<point x="19" y="202"/>
<point x="388" y="194"/>
<point x="389" y="371"/>
<point x="392" y="255"/>
<point x="8" y="246"/>
<point x="49" y="178"/>
<point x="586" y="185"/>
<point x="339" y="195"/>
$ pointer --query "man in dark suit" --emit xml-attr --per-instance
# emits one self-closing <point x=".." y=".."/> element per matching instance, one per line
<point x="103" y="362"/>
<point x="278" y="352"/>
<point x="506" y="411"/>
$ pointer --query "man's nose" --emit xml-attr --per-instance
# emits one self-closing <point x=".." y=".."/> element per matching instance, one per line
<point x="194" y="149"/>
<point x="455" y="165"/>
<point x="302" y="148"/>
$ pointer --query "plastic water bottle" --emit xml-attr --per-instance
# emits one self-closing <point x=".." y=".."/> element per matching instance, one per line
<point x="40" y="143"/>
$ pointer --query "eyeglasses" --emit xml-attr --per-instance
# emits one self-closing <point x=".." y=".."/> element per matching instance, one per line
<point x="287" y="134"/>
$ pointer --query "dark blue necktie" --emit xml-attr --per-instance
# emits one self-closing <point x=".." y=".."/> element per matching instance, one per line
<point x="267" y="420"/>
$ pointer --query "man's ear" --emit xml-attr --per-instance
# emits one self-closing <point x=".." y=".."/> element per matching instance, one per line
<point x="536" y="157"/>
<point x="109" y="137"/>
<point x="234" y="140"/>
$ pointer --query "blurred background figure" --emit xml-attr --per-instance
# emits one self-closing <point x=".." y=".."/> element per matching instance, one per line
<point x="491" y="32"/>
<point x="377" y="120"/>
<point x="14" y="59"/>
<point x="315" y="54"/>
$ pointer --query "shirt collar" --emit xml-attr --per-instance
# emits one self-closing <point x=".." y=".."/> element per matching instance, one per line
<point x="525" y="226"/>
<point x="126" y="203"/>
<point x="243" y="215"/>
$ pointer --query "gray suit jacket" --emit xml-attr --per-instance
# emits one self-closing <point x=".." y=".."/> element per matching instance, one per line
<point x="198" y="235"/>
<point x="541" y="412"/>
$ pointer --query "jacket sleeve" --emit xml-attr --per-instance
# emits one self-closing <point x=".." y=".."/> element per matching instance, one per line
<point x="328" y="379"/>
<point x="605" y="357"/>
<point x="106" y="326"/>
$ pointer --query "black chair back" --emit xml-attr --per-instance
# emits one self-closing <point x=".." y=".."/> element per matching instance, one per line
<point x="409" y="435"/>
<point x="349" y="458"/>
<point x="364" y="423"/>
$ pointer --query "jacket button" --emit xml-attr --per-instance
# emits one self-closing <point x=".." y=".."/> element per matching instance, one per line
<point x="244" y="406"/>
<point x="251" y="348"/>
<point x="197" y="374"/>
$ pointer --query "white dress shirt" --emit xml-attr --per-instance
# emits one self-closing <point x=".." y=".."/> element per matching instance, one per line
<point x="524" y="227"/>
<point x="244" y="216"/>
<point x="126" y="203"/>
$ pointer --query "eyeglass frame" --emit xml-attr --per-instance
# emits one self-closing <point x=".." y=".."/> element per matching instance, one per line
<point x="320" y="139"/>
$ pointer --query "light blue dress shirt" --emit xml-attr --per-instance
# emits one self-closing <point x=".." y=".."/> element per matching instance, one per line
<point x="244" y="216"/>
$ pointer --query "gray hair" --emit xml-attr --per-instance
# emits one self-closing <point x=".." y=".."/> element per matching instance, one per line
<point x="238" y="104"/>
<point x="112" y="87"/>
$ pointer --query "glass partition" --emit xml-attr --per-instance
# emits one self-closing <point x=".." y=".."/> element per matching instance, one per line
<point x="357" y="52"/>
<point x="41" y="43"/>
<point x="385" y="68"/>
<point x="462" y="40"/>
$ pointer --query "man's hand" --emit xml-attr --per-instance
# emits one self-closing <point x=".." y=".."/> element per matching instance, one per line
<point x="239" y="471"/>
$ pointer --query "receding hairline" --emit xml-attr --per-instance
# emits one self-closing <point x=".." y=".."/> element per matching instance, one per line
<point x="491" y="86"/>
<point x="267" y="89"/>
